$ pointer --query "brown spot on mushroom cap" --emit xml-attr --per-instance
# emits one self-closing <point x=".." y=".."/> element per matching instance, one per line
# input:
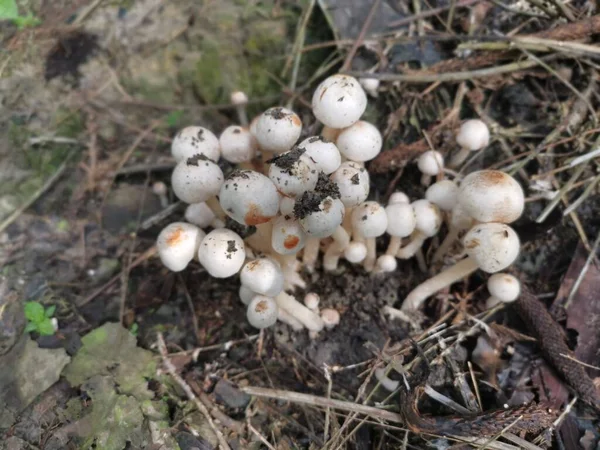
<point x="296" y="120"/>
<point x="322" y="93"/>
<point x="291" y="241"/>
<point x="261" y="306"/>
<point x="252" y="265"/>
<point x="472" y="243"/>
<point x="175" y="237"/>
<point x="255" y="216"/>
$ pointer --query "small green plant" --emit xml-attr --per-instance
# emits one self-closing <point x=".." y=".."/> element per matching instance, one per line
<point x="38" y="318"/>
<point x="10" y="11"/>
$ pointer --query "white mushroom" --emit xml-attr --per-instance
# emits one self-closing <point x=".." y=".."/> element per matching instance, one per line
<point x="311" y="301"/>
<point x="263" y="276"/>
<point x="401" y="223"/>
<point x="249" y="197"/>
<point x="330" y="317"/>
<point x="339" y="101"/>
<point x="300" y="312"/>
<point x="177" y="244"/>
<point x="246" y="294"/>
<point x="370" y="85"/>
<point x="160" y="190"/>
<point x="222" y="253"/>
<point x="287" y="237"/>
<point x="430" y="164"/>
<point x="386" y="263"/>
<point x="286" y="206"/>
<point x="192" y="141"/>
<point x="360" y="142"/>
<point x="503" y="288"/>
<point x="353" y="182"/>
<point x="293" y="172"/>
<point x="398" y="197"/>
<point x="428" y="223"/>
<point x="278" y="129"/>
<point x="369" y="220"/>
<point x="238" y="145"/>
<point x="355" y="252"/>
<point x="201" y="215"/>
<point x="444" y="194"/>
<point x="324" y="154"/>
<point x="239" y="99"/>
<point x="473" y="135"/>
<point x="490" y="247"/>
<point x="320" y="212"/>
<point x="196" y="179"/>
<point x="262" y="312"/>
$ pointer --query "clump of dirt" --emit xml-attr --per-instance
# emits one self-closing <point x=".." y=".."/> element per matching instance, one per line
<point x="68" y="54"/>
<point x="287" y="160"/>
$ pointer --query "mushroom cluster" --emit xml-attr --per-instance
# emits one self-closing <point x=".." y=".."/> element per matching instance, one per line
<point x="291" y="199"/>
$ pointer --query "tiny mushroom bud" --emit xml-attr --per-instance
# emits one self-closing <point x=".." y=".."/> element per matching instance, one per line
<point x="444" y="194"/>
<point x="428" y="223"/>
<point x="160" y="189"/>
<point x="360" y="142"/>
<point x="239" y="99"/>
<point x="237" y="144"/>
<point x="201" y="215"/>
<point x="386" y="263"/>
<point x="278" y="129"/>
<point x="401" y="223"/>
<point x="177" y="245"/>
<point x="246" y="294"/>
<point x="222" y="253"/>
<point x="503" y="288"/>
<point x="356" y="252"/>
<point x="249" y="197"/>
<point x="473" y="135"/>
<point x="286" y="206"/>
<point x="330" y="317"/>
<point x="293" y="172"/>
<point x="491" y="196"/>
<point x="370" y="85"/>
<point x="369" y="220"/>
<point x="320" y="212"/>
<point x="192" y="141"/>
<point x="287" y="237"/>
<point x="324" y="154"/>
<point x="196" y="179"/>
<point x="339" y="101"/>
<point x="430" y="164"/>
<point x="398" y="197"/>
<point x="263" y="276"/>
<point x="311" y="300"/>
<point x="490" y="247"/>
<point x="353" y="182"/>
<point x="262" y="312"/>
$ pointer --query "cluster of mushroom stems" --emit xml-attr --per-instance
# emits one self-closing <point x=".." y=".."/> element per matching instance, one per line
<point x="288" y="202"/>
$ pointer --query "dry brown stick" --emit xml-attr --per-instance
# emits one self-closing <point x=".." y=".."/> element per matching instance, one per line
<point x="361" y="36"/>
<point x="162" y="347"/>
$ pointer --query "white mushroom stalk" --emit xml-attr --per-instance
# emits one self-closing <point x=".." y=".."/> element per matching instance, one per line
<point x="473" y="135"/>
<point x="192" y="141"/>
<point x="299" y="312"/>
<point x="491" y="247"/>
<point x="430" y="164"/>
<point x="428" y="223"/>
<point x="177" y="245"/>
<point x="278" y="129"/>
<point x="339" y="101"/>
<point x="222" y="253"/>
<point x="370" y="221"/>
<point x="239" y="99"/>
<point x="503" y="288"/>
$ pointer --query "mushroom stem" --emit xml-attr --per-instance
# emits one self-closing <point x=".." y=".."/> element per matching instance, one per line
<point x="341" y="240"/>
<point x="421" y="260"/>
<point x="287" y="318"/>
<point x="369" y="262"/>
<point x="449" y="276"/>
<point x="394" y="246"/>
<point x="459" y="158"/>
<point x="242" y="116"/>
<point x="311" y="253"/>
<point x="299" y="312"/>
<point x="425" y="180"/>
<point x="415" y="243"/>
<point x="492" y="301"/>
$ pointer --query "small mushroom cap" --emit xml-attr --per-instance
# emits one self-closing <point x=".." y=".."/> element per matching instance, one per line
<point x="286" y="206"/>
<point x="293" y="172"/>
<point x="360" y="142"/>
<point x="353" y="182"/>
<point x="370" y="85"/>
<point x="493" y="246"/>
<point x="398" y="197"/>
<point x="504" y="287"/>
<point x="237" y="144"/>
<point x="159" y="188"/>
<point x="401" y="219"/>
<point x="263" y="276"/>
<point x="311" y="301"/>
<point x="191" y="141"/>
<point x="339" y="101"/>
<point x="246" y="294"/>
<point x="387" y="263"/>
<point x="238" y="98"/>
<point x="369" y="219"/>
<point x="262" y="312"/>
<point x="330" y="317"/>
<point x="199" y="214"/>
<point x="355" y="252"/>
<point x="473" y="135"/>
<point x="196" y="179"/>
<point x="430" y="163"/>
<point x="222" y="253"/>
<point x="249" y="197"/>
<point x="278" y="129"/>
<point x="444" y="194"/>
<point x="491" y="196"/>
<point x="287" y="236"/>
<point x="177" y="244"/>
<point x="429" y="217"/>
<point x="322" y="222"/>
<point x="324" y="154"/>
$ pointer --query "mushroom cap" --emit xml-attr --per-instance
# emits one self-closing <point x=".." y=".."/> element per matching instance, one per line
<point x="324" y="154"/>
<point x="360" y="142"/>
<point x="401" y="219"/>
<point x="339" y="101"/>
<point x="398" y="197"/>
<point x="249" y="197"/>
<point x="222" y="253"/>
<point x="238" y="98"/>
<point x="159" y="188"/>
<point x="177" y="244"/>
<point x="473" y="135"/>
<point x="444" y="194"/>
<point x="369" y="219"/>
<point x="293" y="172"/>
<point x="491" y="196"/>
<point x="387" y="263"/>
<point x="199" y="214"/>
<point x="237" y="144"/>
<point x="191" y="141"/>
<point x="430" y="163"/>
<point x="287" y="236"/>
<point x="428" y="216"/>
<point x="504" y="287"/>
<point x="196" y="179"/>
<point x="493" y="246"/>
<point x="353" y="182"/>
<point x="312" y="300"/>
<point x="278" y="129"/>
<point x="355" y="252"/>
<point x="262" y="312"/>
<point x="246" y="294"/>
<point x="324" y="219"/>
<point x="370" y="85"/>
<point x="286" y="206"/>
<point x="263" y="276"/>
<point x="330" y="317"/>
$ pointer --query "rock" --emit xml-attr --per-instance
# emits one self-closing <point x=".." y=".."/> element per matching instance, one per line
<point x="188" y="441"/>
<point x="122" y="208"/>
<point x="14" y="443"/>
<point x="228" y="394"/>
<point x="12" y="319"/>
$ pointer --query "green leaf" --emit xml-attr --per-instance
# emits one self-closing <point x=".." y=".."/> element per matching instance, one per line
<point x="8" y="9"/>
<point x="31" y="327"/>
<point x="46" y="328"/>
<point x="34" y="311"/>
<point x="26" y="21"/>
<point x="50" y="311"/>
<point x="173" y="118"/>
